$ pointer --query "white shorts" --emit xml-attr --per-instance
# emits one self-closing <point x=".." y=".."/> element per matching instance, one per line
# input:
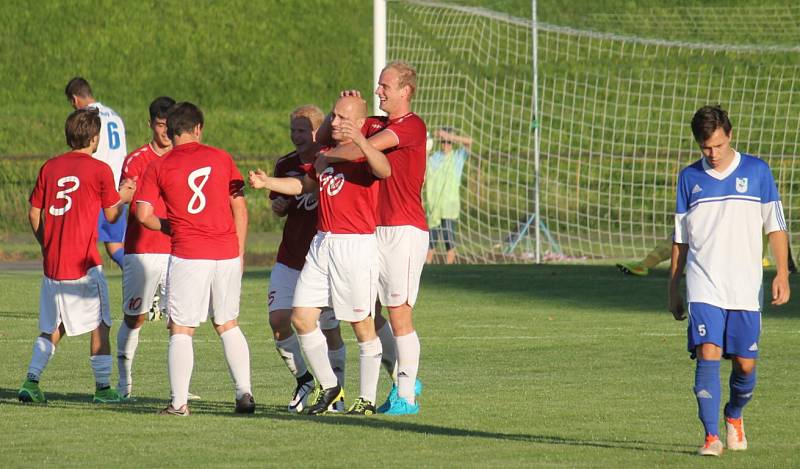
<point x="199" y="288"/>
<point x="340" y="272"/>
<point x="401" y="253"/>
<point x="81" y="305"/>
<point x="143" y="275"/>
<point x="282" y="283"/>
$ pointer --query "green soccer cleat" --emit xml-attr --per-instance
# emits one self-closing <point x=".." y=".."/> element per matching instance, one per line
<point x="633" y="268"/>
<point x="392" y="397"/>
<point x="107" y="396"/>
<point x="362" y="407"/>
<point x="30" y="392"/>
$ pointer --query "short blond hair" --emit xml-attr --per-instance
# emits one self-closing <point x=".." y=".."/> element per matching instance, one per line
<point x="310" y="112"/>
<point x="407" y="75"/>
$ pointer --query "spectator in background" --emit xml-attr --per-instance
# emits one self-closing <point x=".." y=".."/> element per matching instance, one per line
<point x="442" y="189"/>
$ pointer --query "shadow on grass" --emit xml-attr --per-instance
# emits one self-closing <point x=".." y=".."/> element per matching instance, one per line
<point x="150" y="406"/>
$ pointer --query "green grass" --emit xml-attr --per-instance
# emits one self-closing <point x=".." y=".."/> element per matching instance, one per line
<point x="550" y="366"/>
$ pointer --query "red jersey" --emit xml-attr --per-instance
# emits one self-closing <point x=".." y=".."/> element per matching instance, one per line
<point x="138" y="239"/>
<point x="400" y="198"/>
<point x="348" y="198"/>
<point x="71" y="190"/>
<point x="301" y="218"/>
<point x="196" y="182"/>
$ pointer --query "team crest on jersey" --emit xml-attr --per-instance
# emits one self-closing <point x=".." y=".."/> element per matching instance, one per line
<point x="331" y="183"/>
<point x="741" y="185"/>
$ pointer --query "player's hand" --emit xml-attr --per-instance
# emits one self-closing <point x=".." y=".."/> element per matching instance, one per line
<point x="320" y="163"/>
<point x="676" y="306"/>
<point x="780" y="289"/>
<point x="344" y="93"/>
<point x="258" y="179"/>
<point x="351" y="131"/>
<point x="126" y="190"/>
<point x="280" y="206"/>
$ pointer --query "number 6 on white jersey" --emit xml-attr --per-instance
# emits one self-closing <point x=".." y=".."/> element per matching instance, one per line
<point x="62" y="182"/>
<point x="198" y="201"/>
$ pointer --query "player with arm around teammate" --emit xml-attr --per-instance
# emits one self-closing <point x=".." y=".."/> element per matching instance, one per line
<point x="340" y="270"/>
<point x="402" y="231"/>
<point x="69" y="191"/>
<point x="725" y="201"/>
<point x="207" y="215"/>
<point x="112" y="150"/>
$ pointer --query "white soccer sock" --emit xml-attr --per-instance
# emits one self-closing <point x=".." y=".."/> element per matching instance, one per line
<point x="237" y="354"/>
<point x="369" y="367"/>
<point x="101" y="367"/>
<point x="289" y="350"/>
<point x="407" y="365"/>
<point x="180" y="361"/>
<point x="315" y="348"/>
<point x="127" y="342"/>
<point x="389" y="360"/>
<point x="338" y="359"/>
<point x="43" y="351"/>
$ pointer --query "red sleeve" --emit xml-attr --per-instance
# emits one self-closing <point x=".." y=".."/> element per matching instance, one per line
<point x="410" y="131"/>
<point x="37" y="196"/>
<point x="147" y="186"/>
<point x="109" y="196"/>
<point x="236" y="183"/>
<point x="130" y="168"/>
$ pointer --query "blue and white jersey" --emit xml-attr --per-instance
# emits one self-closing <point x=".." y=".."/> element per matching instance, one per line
<point x="722" y="216"/>
<point x="112" y="148"/>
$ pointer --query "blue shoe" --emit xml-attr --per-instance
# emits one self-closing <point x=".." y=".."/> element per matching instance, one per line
<point x="393" y="396"/>
<point x="402" y="407"/>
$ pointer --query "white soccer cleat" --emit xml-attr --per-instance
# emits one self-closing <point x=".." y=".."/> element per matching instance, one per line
<point x="301" y="396"/>
<point x="712" y="447"/>
<point x="735" y="429"/>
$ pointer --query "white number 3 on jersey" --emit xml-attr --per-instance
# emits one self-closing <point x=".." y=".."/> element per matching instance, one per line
<point x="198" y="201"/>
<point x="57" y="212"/>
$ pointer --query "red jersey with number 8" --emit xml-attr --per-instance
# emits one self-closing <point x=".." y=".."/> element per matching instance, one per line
<point x="196" y="182"/>
<point x="71" y="190"/>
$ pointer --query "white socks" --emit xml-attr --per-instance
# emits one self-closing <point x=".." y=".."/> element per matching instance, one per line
<point x="407" y="365"/>
<point x="370" y="368"/>
<point x="389" y="360"/>
<point x="180" y="361"/>
<point x="43" y="351"/>
<point x="289" y="350"/>
<point x="237" y="354"/>
<point x="315" y="348"/>
<point x="338" y="359"/>
<point x="101" y="366"/>
<point x="127" y="342"/>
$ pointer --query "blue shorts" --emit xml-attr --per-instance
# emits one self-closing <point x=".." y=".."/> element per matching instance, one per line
<point x="112" y="232"/>
<point x="735" y="331"/>
<point x="446" y="232"/>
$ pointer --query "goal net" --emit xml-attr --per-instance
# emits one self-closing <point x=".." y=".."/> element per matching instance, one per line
<point x="615" y="96"/>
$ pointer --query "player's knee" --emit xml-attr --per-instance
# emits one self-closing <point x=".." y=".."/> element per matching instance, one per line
<point x="709" y="351"/>
<point x="400" y="319"/>
<point x="303" y="323"/>
<point x="134" y="322"/>
<point x="744" y="366"/>
<point x="226" y="326"/>
<point x="280" y="321"/>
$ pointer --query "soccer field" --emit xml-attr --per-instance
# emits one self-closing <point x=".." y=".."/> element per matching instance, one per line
<point x="556" y="366"/>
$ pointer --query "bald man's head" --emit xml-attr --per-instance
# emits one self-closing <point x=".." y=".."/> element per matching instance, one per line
<point x="347" y="108"/>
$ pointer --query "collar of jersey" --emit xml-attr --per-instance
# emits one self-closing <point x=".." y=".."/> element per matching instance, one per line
<point x="737" y="159"/>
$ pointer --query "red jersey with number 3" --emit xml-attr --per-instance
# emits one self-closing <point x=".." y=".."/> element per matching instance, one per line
<point x="196" y="182"/>
<point x="348" y="198"/>
<point x="301" y="216"/>
<point x="400" y="198"/>
<point x="138" y="239"/>
<point x="71" y="190"/>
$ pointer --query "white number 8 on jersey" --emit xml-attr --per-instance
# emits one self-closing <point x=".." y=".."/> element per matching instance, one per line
<point x="62" y="182"/>
<point x="198" y="201"/>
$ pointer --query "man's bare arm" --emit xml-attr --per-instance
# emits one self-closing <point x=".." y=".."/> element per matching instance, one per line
<point x="240" y="220"/>
<point x="779" y="245"/>
<point x="286" y="185"/>
<point x="35" y="219"/>
<point x="679" y="251"/>
<point x="381" y="141"/>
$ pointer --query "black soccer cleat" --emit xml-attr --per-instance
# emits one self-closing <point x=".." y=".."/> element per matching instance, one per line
<point x="245" y="404"/>
<point x="324" y="399"/>
<point x="362" y="407"/>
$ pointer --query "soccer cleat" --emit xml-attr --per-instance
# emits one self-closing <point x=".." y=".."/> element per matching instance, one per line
<point x="302" y="394"/>
<point x="30" y="392"/>
<point x="193" y="397"/>
<point x="171" y="411"/>
<point x="401" y="406"/>
<point x="712" y="447"/>
<point x="361" y="407"/>
<point x="106" y="396"/>
<point x="633" y="268"/>
<point x="736" y="441"/>
<point x="245" y="404"/>
<point x="338" y="406"/>
<point x="324" y="398"/>
<point x="393" y="396"/>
